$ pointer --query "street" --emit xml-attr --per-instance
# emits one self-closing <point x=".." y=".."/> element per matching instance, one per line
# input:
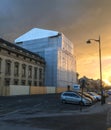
<point x="71" y="122"/>
<point x="53" y="117"/>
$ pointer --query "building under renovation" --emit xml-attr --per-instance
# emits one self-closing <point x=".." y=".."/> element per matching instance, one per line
<point x="58" y="53"/>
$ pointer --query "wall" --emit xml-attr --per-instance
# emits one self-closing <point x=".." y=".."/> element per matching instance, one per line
<point x="46" y="90"/>
<point x="37" y="90"/>
<point x="5" y="91"/>
<point x="30" y="90"/>
<point x="19" y="90"/>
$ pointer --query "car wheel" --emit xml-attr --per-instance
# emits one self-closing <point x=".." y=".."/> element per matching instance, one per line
<point x="81" y="103"/>
<point x="63" y="101"/>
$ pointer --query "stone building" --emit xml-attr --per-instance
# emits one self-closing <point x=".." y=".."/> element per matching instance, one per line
<point x="58" y="52"/>
<point x="19" y="66"/>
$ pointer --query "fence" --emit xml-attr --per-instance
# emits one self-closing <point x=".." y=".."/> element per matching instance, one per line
<point x="30" y="90"/>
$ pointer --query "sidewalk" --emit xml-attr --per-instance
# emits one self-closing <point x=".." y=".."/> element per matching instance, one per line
<point x="97" y="108"/>
<point x="108" y="105"/>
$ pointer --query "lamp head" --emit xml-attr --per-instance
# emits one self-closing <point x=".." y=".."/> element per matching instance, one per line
<point x="88" y="42"/>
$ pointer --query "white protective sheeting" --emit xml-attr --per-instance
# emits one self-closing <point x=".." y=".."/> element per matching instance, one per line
<point x="58" y="52"/>
<point x="36" y="33"/>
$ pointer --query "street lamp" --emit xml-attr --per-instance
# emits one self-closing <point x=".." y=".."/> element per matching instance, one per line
<point x="101" y="87"/>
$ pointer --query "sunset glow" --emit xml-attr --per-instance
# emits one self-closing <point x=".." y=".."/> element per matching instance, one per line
<point x="88" y="62"/>
<point x="107" y="82"/>
<point x="78" y="20"/>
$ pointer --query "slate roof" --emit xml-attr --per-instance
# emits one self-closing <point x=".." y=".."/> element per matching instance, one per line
<point x="36" y="33"/>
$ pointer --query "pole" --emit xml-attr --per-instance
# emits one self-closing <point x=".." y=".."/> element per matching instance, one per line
<point x="101" y="87"/>
<point x="82" y="87"/>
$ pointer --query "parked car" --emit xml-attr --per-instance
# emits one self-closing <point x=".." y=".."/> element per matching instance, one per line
<point x="95" y="95"/>
<point x="109" y="92"/>
<point x="74" y="97"/>
<point x="89" y="96"/>
<point x="105" y="93"/>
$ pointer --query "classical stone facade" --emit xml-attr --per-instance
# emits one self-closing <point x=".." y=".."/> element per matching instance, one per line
<point x="19" y="66"/>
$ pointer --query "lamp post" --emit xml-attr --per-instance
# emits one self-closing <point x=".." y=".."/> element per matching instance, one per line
<point x="101" y="87"/>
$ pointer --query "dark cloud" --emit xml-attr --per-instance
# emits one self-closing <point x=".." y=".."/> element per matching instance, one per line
<point x="18" y="16"/>
<point x="77" y="19"/>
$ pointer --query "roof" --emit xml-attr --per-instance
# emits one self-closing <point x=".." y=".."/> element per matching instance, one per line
<point x="36" y="33"/>
<point x="18" y="49"/>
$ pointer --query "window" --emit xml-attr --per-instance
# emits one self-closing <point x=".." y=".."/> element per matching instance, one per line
<point x="8" y="67"/>
<point x="23" y="82"/>
<point x="15" y="81"/>
<point x="35" y="73"/>
<point x="71" y="95"/>
<point x="16" y="69"/>
<point x="66" y="94"/>
<point x="7" y="82"/>
<point x="30" y="72"/>
<point x="40" y="83"/>
<point x="74" y="95"/>
<point x="35" y="83"/>
<point x="29" y="83"/>
<point x="23" y="70"/>
<point x="40" y="74"/>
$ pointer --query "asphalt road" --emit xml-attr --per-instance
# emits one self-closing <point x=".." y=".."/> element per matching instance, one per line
<point x="45" y="112"/>
<point x="38" y="103"/>
<point x="69" y="122"/>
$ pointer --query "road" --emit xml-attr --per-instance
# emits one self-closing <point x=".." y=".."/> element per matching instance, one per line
<point x="36" y="113"/>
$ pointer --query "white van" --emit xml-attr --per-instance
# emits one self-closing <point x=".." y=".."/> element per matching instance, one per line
<point x="76" y="87"/>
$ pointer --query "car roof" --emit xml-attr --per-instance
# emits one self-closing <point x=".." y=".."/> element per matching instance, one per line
<point x="70" y="92"/>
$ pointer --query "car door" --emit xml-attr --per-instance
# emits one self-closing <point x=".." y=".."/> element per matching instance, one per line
<point x="76" y="98"/>
<point x="69" y="97"/>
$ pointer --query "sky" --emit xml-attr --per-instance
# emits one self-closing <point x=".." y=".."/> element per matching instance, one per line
<point x="78" y="20"/>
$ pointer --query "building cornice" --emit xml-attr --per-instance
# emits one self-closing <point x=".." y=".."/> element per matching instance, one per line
<point x="21" y="51"/>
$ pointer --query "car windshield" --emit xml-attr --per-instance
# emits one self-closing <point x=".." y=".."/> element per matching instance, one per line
<point x="82" y="95"/>
<point x="86" y="94"/>
<point x="94" y="93"/>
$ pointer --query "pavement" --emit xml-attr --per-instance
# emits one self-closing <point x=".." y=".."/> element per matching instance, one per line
<point x="108" y="106"/>
<point x="23" y="115"/>
<point x="30" y="113"/>
<point x="96" y="108"/>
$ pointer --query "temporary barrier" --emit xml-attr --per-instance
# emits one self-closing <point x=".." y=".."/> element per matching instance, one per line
<point x="37" y="90"/>
<point x="30" y="90"/>
<point x="19" y="90"/>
